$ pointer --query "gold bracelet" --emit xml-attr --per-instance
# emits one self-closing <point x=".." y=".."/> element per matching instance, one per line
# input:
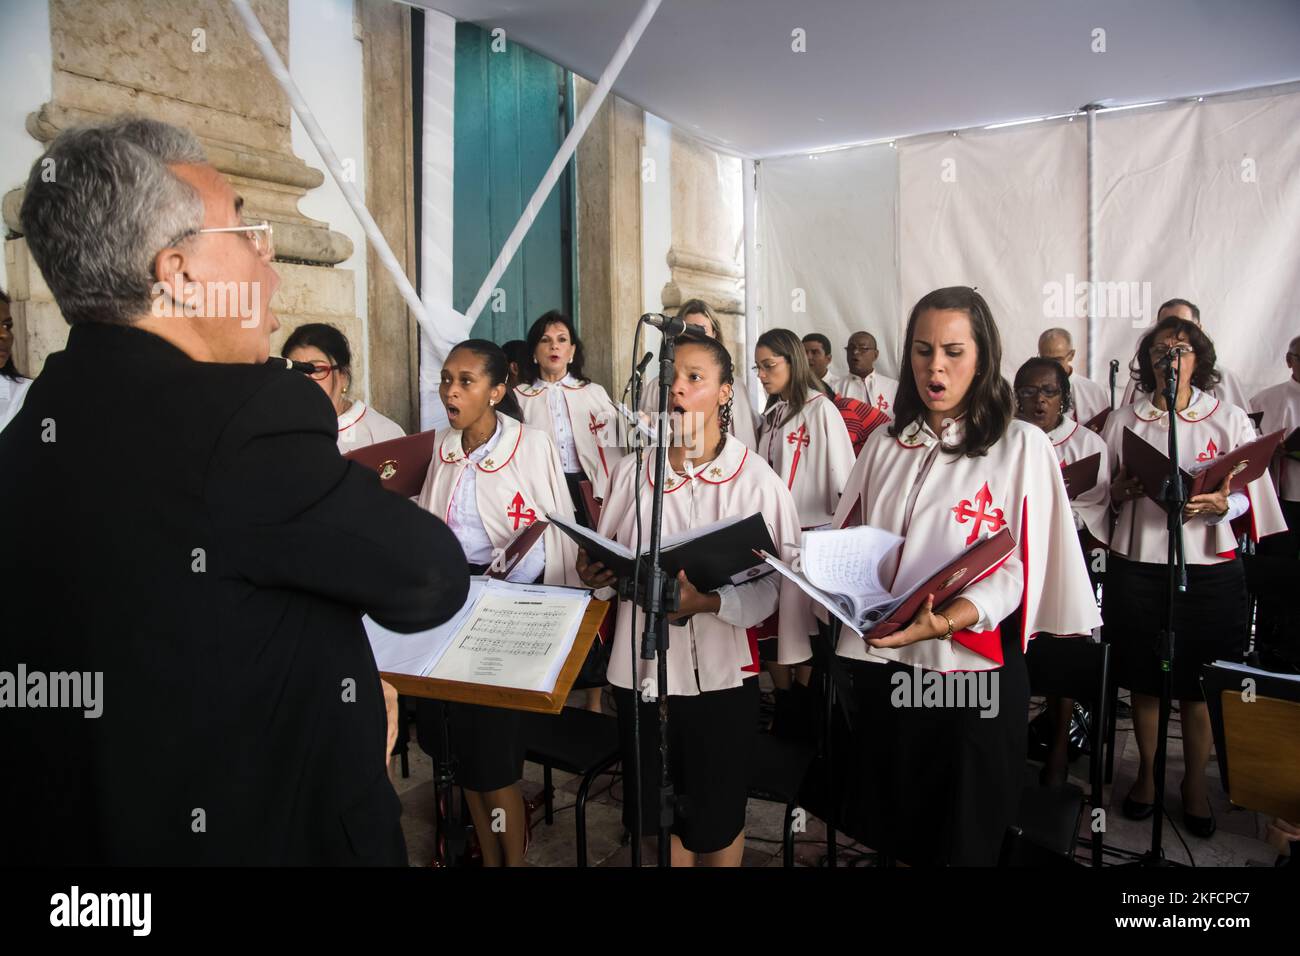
<point x="951" y="627"/>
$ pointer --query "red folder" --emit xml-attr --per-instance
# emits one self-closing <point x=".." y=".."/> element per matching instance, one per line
<point x="402" y="463"/>
<point x="1081" y="476"/>
<point x="1244" y="464"/>
<point x="1097" y="421"/>
<point x="519" y="545"/>
<point x="949" y="581"/>
<point x="590" y="502"/>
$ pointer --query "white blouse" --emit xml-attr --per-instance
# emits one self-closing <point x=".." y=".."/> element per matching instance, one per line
<point x="1281" y="407"/>
<point x="564" y="442"/>
<point x="467" y="524"/>
<point x="11" y="398"/>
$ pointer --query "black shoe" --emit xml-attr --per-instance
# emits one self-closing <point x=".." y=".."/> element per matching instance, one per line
<point x="1203" y="827"/>
<point x="1135" y="810"/>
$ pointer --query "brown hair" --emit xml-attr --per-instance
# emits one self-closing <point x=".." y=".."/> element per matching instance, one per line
<point x="988" y="406"/>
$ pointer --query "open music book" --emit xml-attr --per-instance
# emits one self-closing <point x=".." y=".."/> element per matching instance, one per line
<point x="713" y="555"/>
<point x="843" y="571"/>
<point x="505" y="635"/>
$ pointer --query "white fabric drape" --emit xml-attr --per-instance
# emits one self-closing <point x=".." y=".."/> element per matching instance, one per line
<point x="827" y="238"/>
<point x="1202" y="201"/>
<point x="1004" y="211"/>
<point x="1195" y="200"/>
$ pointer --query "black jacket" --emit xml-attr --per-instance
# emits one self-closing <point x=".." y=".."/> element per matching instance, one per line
<point x="190" y="531"/>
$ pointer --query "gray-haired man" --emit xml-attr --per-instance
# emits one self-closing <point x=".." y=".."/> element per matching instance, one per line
<point x="191" y="543"/>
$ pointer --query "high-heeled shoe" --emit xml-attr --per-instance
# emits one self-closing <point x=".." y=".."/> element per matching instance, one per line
<point x="1203" y="827"/>
<point x="1136" y="809"/>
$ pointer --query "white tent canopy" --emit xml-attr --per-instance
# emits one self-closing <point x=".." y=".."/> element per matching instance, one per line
<point x="725" y="70"/>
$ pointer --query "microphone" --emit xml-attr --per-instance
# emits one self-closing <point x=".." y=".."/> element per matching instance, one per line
<point x="673" y="326"/>
<point x="1171" y="356"/>
<point x="645" y="360"/>
<point x="306" y="368"/>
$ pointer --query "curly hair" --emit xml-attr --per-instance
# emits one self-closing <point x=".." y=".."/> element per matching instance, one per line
<point x="1204" y="374"/>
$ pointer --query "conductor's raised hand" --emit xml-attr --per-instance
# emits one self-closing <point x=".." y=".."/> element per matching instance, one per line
<point x="925" y="626"/>
<point x="593" y="573"/>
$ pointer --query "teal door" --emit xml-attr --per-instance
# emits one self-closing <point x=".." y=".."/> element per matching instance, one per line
<point x="512" y="109"/>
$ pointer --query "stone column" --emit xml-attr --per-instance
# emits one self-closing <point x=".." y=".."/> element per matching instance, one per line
<point x="708" y="235"/>
<point x="188" y="63"/>
<point x="385" y="32"/>
<point x="609" y="237"/>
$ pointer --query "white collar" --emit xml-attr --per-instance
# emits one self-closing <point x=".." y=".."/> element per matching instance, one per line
<point x="1201" y="406"/>
<point x="508" y="433"/>
<point x="1062" y="432"/>
<point x="919" y="434"/>
<point x="356" y="411"/>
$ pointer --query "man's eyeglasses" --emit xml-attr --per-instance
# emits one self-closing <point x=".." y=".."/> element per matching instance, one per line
<point x="258" y="233"/>
<point x="1028" y="393"/>
<point x="855" y="349"/>
<point x="320" y="370"/>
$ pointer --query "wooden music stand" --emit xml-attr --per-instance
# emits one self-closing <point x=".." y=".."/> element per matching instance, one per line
<point x="1262" y="743"/>
<point x="511" y="698"/>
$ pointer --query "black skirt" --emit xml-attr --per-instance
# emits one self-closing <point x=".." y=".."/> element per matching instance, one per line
<point x="1211" y="620"/>
<point x="593" y="670"/>
<point x="710" y="750"/>
<point x="486" y="742"/>
<point x="939" y="785"/>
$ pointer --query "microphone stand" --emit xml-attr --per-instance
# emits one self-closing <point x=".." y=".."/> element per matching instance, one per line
<point x="660" y="599"/>
<point x="1174" y="497"/>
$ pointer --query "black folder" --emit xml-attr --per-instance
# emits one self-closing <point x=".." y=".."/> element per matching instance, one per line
<point x="711" y="559"/>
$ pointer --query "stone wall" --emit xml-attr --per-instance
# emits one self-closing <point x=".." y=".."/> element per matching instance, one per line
<point x="188" y="63"/>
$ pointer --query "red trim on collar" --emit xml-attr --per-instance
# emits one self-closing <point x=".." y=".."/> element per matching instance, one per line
<point x="442" y="456"/>
<point x="1057" y="444"/>
<point x="699" y="474"/>
<point x="364" y="409"/>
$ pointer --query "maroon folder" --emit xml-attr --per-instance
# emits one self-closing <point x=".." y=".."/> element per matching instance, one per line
<point x="590" y="502"/>
<point x="949" y="581"/>
<point x="519" y="545"/>
<point x="402" y="463"/>
<point x="1098" y="421"/>
<point x="1244" y="464"/>
<point x="1081" y="476"/>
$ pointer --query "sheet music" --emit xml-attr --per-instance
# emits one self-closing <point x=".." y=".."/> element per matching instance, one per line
<point x="848" y="561"/>
<point x="417" y="653"/>
<point x="517" y="636"/>
<point x="1255" y="671"/>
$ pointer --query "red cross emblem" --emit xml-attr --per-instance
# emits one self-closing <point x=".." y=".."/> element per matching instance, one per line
<point x="800" y="441"/>
<point x="596" y="427"/>
<point x="1209" y="453"/>
<point x="517" y="511"/>
<point x="981" y="513"/>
